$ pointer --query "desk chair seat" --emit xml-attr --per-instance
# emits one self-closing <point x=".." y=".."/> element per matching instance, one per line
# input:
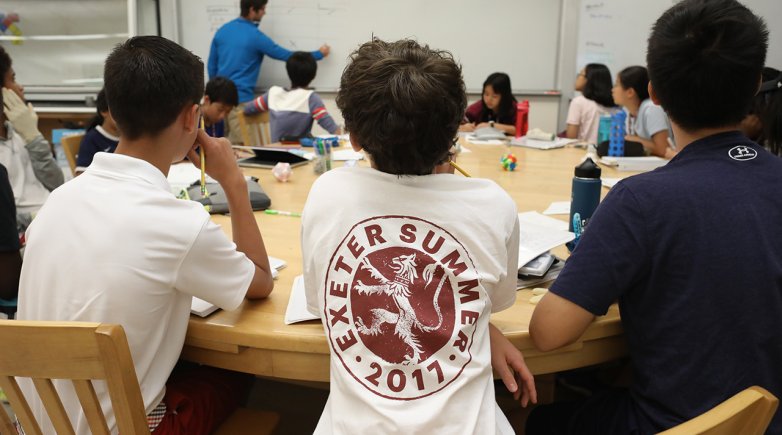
<point x="83" y="352"/>
<point x="70" y="145"/>
<point x="255" y="129"/>
<point x="748" y="413"/>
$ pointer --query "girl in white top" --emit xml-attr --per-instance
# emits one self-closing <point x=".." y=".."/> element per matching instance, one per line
<point x="583" y="116"/>
<point x="647" y="123"/>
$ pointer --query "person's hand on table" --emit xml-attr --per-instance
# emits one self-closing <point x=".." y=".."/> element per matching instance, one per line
<point x="467" y="127"/>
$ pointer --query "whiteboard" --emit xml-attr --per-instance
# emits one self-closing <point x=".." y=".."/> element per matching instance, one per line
<point x="615" y="32"/>
<point x="519" y="37"/>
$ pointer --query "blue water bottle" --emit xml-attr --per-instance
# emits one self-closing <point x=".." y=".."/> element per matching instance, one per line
<point x="584" y="198"/>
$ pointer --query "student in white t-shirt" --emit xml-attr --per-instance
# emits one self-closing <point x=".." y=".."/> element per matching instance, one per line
<point x="405" y="261"/>
<point x="583" y="116"/>
<point x="647" y="123"/>
<point x="114" y="245"/>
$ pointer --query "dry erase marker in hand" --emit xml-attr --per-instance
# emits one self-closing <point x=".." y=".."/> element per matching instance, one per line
<point x="282" y="213"/>
<point x="203" y="164"/>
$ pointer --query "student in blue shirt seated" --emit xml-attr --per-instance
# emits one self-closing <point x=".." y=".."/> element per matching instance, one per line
<point x="237" y="51"/>
<point x="293" y="110"/>
<point x="692" y="251"/>
<point x="646" y="121"/>
<point x="102" y="135"/>
<point x="220" y="98"/>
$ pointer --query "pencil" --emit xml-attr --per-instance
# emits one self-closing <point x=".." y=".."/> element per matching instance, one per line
<point x="455" y="166"/>
<point x="203" y="164"/>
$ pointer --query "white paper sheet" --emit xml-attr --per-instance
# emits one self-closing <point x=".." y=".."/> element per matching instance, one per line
<point x="558" y="207"/>
<point x="538" y="234"/>
<point x="297" y="304"/>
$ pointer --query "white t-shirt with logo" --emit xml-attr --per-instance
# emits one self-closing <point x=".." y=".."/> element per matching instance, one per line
<point x="115" y="246"/>
<point x="404" y="272"/>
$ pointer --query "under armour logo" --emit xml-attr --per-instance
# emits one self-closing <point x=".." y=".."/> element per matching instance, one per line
<point x="742" y="153"/>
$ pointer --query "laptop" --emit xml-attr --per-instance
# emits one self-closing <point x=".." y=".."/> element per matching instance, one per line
<point x="268" y="157"/>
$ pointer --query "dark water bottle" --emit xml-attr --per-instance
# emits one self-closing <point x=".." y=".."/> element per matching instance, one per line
<point x="584" y="198"/>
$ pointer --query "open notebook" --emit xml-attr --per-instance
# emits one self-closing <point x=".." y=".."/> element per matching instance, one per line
<point x="202" y="308"/>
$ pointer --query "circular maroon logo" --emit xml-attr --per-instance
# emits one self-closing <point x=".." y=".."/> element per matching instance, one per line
<point x="402" y="298"/>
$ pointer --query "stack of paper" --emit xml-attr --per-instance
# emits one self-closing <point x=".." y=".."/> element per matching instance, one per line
<point x="558" y="142"/>
<point x="538" y="234"/>
<point x="635" y="164"/>
<point x="297" y="304"/>
<point x="202" y="308"/>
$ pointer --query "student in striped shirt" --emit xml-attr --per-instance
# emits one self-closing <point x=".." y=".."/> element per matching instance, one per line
<point x="292" y="110"/>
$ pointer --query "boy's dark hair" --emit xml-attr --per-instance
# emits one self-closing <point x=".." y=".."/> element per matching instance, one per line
<point x="222" y="90"/>
<point x="5" y="65"/>
<point x="301" y="67"/>
<point x="704" y="60"/>
<point x="245" y="5"/>
<point x="637" y="79"/>
<point x="402" y="102"/>
<point x="149" y="80"/>
<point x="500" y="82"/>
<point x="598" y="84"/>
<point x="101" y="105"/>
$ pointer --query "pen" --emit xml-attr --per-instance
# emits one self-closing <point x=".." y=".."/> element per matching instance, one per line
<point x="455" y="166"/>
<point x="282" y="213"/>
<point x="203" y="164"/>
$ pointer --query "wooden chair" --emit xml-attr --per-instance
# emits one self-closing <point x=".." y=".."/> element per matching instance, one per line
<point x="82" y="352"/>
<point x="70" y="145"/>
<point x="748" y="413"/>
<point x="255" y="129"/>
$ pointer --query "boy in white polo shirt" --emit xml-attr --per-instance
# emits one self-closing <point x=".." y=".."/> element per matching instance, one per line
<point x="114" y="245"/>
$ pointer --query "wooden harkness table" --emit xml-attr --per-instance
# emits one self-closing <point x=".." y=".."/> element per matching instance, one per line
<point x="254" y="338"/>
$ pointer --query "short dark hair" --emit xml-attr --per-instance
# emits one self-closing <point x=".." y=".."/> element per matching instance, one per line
<point x="598" y="84"/>
<point x="637" y="79"/>
<point x="5" y="65"/>
<point x="149" y="80"/>
<point x="500" y="82"/>
<point x="245" y="5"/>
<point x="402" y="102"/>
<point x="222" y="90"/>
<point x="101" y="105"/>
<point x="704" y="60"/>
<point x="301" y="67"/>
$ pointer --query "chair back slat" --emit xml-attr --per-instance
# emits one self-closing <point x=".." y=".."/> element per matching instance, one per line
<point x="6" y="423"/>
<point x="70" y="146"/>
<point x="53" y="405"/>
<point x="76" y="351"/>
<point x="19" y="404"/>
<point x="749" y="413"/>
<point x="255" y="129"/>
<point x="92" y="410"/>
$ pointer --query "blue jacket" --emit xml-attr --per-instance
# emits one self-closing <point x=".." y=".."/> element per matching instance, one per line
<point x="237" y="51"/>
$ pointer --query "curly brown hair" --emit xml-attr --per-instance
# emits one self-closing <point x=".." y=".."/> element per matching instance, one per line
<point x="402" y="102"/>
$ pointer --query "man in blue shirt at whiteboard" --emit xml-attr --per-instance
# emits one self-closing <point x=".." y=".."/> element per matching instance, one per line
<point x="237" y="51"/>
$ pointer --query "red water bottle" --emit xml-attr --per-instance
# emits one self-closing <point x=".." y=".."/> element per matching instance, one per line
<point x="522" y="118"/>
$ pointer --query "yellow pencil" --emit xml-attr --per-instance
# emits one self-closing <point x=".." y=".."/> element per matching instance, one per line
<point x="455" y="166"/>
<point x="203" y="165"/>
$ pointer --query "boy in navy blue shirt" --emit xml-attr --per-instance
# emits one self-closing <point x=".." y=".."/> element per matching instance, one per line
<point x="220" y="98"/>
<point x="692" y="251"/>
